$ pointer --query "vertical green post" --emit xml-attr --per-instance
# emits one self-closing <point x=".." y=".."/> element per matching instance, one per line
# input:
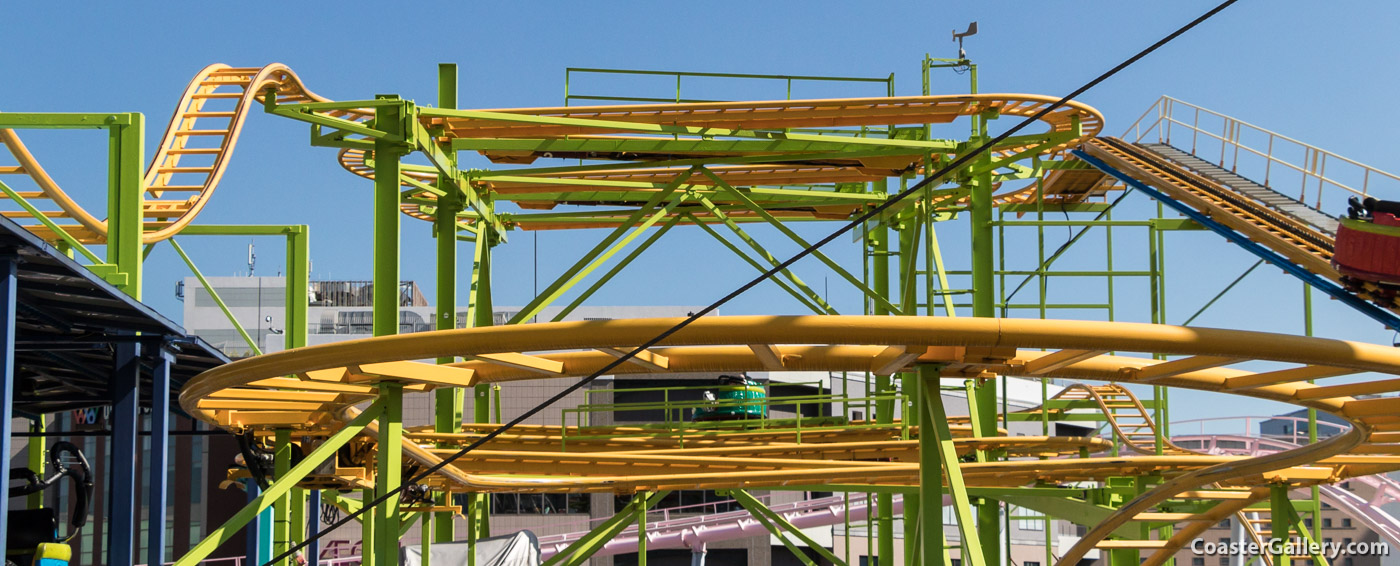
<point x="642" y="529"/>
<point x="381" y="546"/>
<point x="1312" y="416"/>
<point x="37" y="454"/>
<point x="367" y="532"/>
<point x="937" y="456"/>
<point x="388" y="118"/>
<point x="387" y="476"/>
<point x="447" y="402"/>
<point x="884" y="405"/>
<point x="915" y="516"/>
<point x="281" y="512"/>
<point x="983" y="403"/>
<point x="298" y="283"/>
<point x="125" y="196"/>
<point x="1280" y="508"/>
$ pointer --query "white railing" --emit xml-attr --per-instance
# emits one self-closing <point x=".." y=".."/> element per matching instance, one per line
<point x="1316" y="176"/>
<point x="1296" y="429"/>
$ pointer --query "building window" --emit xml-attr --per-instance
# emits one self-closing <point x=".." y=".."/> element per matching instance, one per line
<point x="1224" y="561"/>
<point x="1033" y="523"/>
<point x="1346" y="561"/>
<point x="1198" y="561"/>
<point x="958" y="562"/>
<point x="1029" y="563"/>
<point x="1346" y="522"/>
<point x="537" y="503"/>
<point x="1224" y="524"/>
<point x="1326" y="522"/>
<point x="1307" y="522"/>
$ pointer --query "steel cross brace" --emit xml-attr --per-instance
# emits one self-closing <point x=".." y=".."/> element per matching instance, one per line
<point x="619" y="267"/>
<point x="779" y="281"/>
<point x="281" y="487"/>
<point x="615" y="241"/>
<point x="776" y="524"/>
<point x="759" y="210"/>
<point x="590" y="543"/>
<point x="764" y="253"/>
<point x="941" y="441"/>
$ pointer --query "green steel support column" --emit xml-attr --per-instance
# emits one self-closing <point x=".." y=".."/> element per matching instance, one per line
<point x="1316" y="492"/>
<point x="37" y="454"/>
<point x="387" y="476"/>
<point x="125" y="195"/>
<point x="1279" y="510"/>
<point x="483" y="314"/>
<point x="884" y="408"/>
<point x="425" y="540"/>
<point x="984" y="305"/>
<point x="447" y="401"/>
<point x="642" y="531"/>
<point x="387" y="168"/>
<point x="937" y="458"/>
<point x="367" y="531"/>
<point x="281" y="512"/>
<point x="326" y="450"/>
<point x="294" y="332"/>
<point x="913" y="510"/>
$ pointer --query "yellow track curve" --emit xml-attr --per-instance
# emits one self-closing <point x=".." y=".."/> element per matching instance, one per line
<point x="253" y="393"/>
<point x="198" y="144"/>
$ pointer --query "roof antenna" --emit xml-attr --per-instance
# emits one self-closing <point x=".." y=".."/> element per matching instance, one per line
<point x="252" y="259"/>
<point x="958" y="37"/>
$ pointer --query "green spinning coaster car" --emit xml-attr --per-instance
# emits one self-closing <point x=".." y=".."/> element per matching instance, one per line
<point x="737" y="398"/>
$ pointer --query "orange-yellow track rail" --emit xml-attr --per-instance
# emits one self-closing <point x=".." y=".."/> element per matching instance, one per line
<point x="196" y="148"/>
<point x="192" y="156"/>
<point x="254" y="394"/>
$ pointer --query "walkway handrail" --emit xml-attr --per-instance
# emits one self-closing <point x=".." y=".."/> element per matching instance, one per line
<point x="1354" y="177"/>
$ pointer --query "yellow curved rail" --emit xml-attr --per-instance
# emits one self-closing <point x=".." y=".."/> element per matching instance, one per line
<point x="253" y="393"/>
<point x="193" y="154"/>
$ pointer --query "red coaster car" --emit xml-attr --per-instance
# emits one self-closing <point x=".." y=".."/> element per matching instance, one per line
<point x="1368" y="245"/>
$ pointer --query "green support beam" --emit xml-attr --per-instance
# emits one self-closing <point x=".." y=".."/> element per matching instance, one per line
<point x="782" y="528"/>
<point x="938" y="459"/>
<point x="388" y="475"/>
<point x="801" y="296"/>
<point x="447" y="401"/>
<point x="643" y="218"/>
<point x="590" y="543"/>
<point x="281" y="507"/>
<point x="767" y="256"/>
<point x="125" y="196"/>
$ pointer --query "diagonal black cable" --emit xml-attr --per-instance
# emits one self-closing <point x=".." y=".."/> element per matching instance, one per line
<point x="874" y="211"/>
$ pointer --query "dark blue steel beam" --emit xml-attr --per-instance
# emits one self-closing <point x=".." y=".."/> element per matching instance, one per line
<point x="313" y="520"/>
<point x="8" y="285"/>
<point x="160" y="451"/>
<point x="126" y="415"/>
<point x="1389" y="319"/>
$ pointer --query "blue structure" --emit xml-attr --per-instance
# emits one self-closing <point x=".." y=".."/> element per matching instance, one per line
<point x="70" y="340"/>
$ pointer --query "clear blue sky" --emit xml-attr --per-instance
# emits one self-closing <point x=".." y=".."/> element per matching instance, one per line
<point x="1315" y="71"/>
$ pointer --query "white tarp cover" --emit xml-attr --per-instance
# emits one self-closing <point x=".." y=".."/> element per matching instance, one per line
<point x="519" y="549"/>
